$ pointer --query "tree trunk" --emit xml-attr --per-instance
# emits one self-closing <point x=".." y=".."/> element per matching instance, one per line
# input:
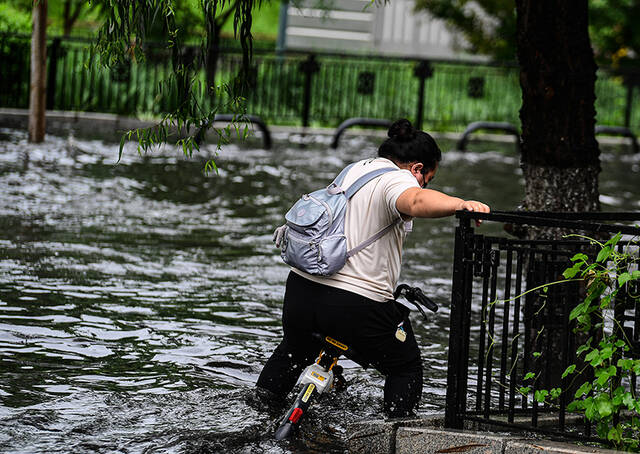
<point x="38" y="89"/>
<point x="560" y="155"/>
<point x="70" y="13"/>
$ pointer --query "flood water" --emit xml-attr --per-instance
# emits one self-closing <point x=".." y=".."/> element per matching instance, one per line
<point x="138" y="301"/>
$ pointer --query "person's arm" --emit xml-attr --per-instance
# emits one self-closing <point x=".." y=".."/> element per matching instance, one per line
<point x="427" y="203"/>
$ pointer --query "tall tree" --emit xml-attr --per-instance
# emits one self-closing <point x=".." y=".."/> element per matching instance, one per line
<point x="70" y="13"/>
<point x="560" y="155"/>
<point x="214" y="21"/>
<point x="560" y="158"/>
<point x="489" y="27"/>
<point x="38" y="88"/>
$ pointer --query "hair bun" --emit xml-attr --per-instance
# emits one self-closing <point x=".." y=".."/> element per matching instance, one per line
<point x="402" y="130"/>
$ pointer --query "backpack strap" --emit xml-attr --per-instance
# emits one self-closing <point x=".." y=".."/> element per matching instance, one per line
<point x="340" y="178"/>
<point x="373" y="239"/>
<point x="355" y="187"/>
<point x="364" y="179"/>
<point x="336" y="186"/>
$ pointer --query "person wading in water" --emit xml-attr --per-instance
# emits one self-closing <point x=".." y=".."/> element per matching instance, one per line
<point x="356" y="305"/>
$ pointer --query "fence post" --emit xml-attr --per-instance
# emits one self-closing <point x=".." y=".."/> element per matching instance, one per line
<point x="53" y="70"/>
<point x="422" y="71"/>
<point x="630" y="80"/>
<point x="281" y="42"/>
<point x="309" y="67"/>
<point x="457" y="359"/>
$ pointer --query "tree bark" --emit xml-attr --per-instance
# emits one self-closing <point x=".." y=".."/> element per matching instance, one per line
<point x="38" y="88"/>
<point x="560" y="155"/>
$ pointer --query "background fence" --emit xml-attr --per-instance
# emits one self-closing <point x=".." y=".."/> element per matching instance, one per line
<point x="299" y="89"/>
<point x="496" y="339"/>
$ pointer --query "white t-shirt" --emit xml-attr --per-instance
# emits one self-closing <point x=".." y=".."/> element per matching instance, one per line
<point x="373" y="272"/>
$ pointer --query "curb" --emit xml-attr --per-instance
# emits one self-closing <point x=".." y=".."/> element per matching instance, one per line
<point x="110" y="127"/>
<point x="427" y="435"/>
<point x="80" y="124"/>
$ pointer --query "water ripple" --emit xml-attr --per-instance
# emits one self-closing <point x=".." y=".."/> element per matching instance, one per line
<point x="139" y="301"/>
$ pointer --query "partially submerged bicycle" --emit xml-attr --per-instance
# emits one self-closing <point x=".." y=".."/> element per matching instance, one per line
<point x="326" y="374"/>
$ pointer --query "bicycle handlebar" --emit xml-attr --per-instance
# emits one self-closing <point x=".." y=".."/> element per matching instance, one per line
<point x="416" y="296"/>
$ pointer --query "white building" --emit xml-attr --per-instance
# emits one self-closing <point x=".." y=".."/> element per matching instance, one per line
<point x="365" y="27"/>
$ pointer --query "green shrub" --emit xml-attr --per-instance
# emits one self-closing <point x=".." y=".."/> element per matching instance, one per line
<point x="13" y="20"/>
<point x="601" y="387"/>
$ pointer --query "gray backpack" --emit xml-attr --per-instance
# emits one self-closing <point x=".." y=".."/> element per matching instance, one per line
<point x="313" y="239"/>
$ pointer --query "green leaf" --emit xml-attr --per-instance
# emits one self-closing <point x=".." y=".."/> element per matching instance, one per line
<point x="537" y="354"/>
<point x="628" y="401"/>
<point x="555" y="393"/>
<point x="604" y="254"/>
<point x="584" y="389"/>
<point x="569" y="370"/>
<point x="592" y="356"/>
<point x="625" y="364"/>
<point x="541" y="394"/>
<point x="604" y="375"/>
<point x="595" y="290"/>
<point x="583" y="348"/>
<point x="604" y="405"/>
<point x="529" y="376"/>
<point x="624" y="278"/>
<point x="571" y="272"/>
<point x="579" y="256"/>
<point x="577" y="311"/>
<point x="613" y="240"/>
<point x="589" y="408"/>
<point x="596" y="361"/>
<point x="584" y="323"/>
<point x="614" y="434"/>
<point x="525" y="390"/>
<point x="575" y="405"/>
<point x="606" y="352"/>
<point x="605" y="302"/>
<point x="618" y="395"/>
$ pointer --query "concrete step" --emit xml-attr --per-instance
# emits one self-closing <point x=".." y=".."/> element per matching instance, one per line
<point x="427" y="435"/>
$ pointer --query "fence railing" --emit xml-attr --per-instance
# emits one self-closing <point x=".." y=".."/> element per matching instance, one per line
<point x="301" y="89"/>
<point x="504" y="327"/>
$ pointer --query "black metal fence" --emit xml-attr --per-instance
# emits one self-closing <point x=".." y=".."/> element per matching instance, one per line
<point x="306" y="89"/>
<point x="503" y="328"/>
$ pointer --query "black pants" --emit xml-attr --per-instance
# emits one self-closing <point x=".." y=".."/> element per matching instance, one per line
<point x="367" y="326"/>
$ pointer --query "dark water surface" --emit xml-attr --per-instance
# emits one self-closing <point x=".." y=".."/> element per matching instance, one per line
<point x="139" y="301"/>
